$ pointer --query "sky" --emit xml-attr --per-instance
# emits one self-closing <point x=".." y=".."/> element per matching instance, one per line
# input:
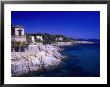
<point x="74" y="24"/>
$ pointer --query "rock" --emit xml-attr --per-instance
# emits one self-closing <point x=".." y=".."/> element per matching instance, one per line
<point x="37" y="57"/>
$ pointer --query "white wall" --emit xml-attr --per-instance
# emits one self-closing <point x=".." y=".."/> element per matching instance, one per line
<point x="17" y="33"/>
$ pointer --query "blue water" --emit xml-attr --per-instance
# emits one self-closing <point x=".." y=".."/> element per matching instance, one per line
<point x="82" y="61"/>
<point x="86" y="57"/>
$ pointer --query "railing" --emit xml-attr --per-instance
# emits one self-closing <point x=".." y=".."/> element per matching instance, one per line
<point x="18" y="36"/>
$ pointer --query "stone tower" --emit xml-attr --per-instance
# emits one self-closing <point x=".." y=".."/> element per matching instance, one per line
<point x="17" y="33"/>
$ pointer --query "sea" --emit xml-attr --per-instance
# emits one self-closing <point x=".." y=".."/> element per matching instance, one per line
<point x="82" y="60"/>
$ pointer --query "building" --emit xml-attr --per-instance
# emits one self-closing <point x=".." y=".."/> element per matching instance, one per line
<point x="17" y="33"/>
<point x="39" y="37"/>
<point x="59" y="39"/>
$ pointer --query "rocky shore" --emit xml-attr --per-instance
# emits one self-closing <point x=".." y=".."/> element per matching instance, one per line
<point x="37" y="57"/>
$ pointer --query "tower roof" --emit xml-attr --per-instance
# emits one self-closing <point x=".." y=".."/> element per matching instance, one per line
<point x="17" y="26"/>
